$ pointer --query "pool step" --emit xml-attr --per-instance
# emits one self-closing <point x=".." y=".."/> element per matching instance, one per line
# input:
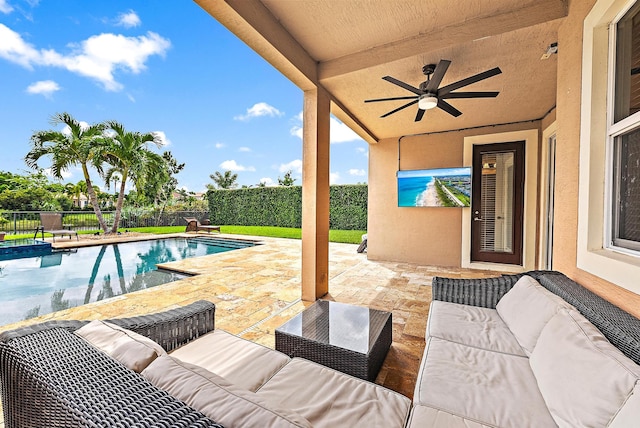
<point x="224" y="242"/>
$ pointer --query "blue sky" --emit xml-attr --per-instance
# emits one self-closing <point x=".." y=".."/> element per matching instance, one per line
<point x="165" y="67"/>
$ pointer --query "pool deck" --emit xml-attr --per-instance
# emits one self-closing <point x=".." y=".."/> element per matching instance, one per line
<point x="257" y="289"/>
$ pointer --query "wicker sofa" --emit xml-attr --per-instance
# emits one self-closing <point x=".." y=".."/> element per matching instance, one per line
<point x="527" y="350"/>
<point x="104" y="374"/>
<point x="475" y="372"/>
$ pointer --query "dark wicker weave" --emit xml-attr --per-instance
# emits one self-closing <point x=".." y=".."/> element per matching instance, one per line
<point x="52" y="378"/>
<point x="173" y="328"/>
<point x="619" y="327"/>
<point x="483" y="292"/>
<point x="313" y="342"/>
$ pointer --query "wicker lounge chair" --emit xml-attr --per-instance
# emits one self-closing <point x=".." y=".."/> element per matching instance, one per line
<point x="194" y="225"/>
<point x="52" y="223"/>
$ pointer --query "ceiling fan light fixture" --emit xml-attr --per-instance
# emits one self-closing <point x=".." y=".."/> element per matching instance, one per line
<point x="427" y="101"/>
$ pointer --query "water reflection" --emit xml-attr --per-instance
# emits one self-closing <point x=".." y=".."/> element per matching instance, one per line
<point x="35" y="286"/>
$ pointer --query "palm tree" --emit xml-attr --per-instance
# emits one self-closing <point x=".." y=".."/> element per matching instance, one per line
<point x="130" y="159"/>
<point x="228" y="180"/>
<point x="80" y="146"/>
<point x="287" y="181"/>
<point x="79" y="189"/>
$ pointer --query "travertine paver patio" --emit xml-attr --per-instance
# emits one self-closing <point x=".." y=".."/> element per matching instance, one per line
<point x="257" y="289"/>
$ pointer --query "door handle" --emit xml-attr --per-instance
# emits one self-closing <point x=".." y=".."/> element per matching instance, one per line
<point x="477" y="219"/>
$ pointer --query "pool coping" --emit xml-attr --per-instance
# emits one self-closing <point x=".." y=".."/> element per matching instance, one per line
<point x="119" y="239"/>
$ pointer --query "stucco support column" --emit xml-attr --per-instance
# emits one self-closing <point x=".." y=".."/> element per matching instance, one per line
<point x="315" y="195"/>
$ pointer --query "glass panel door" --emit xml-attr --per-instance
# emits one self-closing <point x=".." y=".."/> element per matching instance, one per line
<point x="498" y="188"/>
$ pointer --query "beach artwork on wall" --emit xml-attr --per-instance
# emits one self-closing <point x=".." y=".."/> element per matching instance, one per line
<point x="442" y="187"/>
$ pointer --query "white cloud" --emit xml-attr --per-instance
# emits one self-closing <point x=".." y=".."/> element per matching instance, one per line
<point x="5" y="7"/>
<point x="232" y="165"/>
<point x="296" y="131"/>
<point x="97" y="57"/>
<point x="129" y="19"/>
<point x="220" y="145"/>
<point x="162" y="137"/>
<point x="244" y="149"/>
<point x="267" y="181"/>
<point x="294" y="165"/>
<point x="258" y="110"/>
<point x="357" y="172"/>
<point x="131" y="98"/>
<point x="334" y="177"/>
<point x="43" y="87"/>
<point x="339" y="132"/>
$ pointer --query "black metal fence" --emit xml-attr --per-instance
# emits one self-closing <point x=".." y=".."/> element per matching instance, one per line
<point x="22" y="222"/>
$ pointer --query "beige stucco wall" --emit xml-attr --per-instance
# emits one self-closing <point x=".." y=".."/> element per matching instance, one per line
<point x="568" y="155"/>
<point x="431" y="236"/>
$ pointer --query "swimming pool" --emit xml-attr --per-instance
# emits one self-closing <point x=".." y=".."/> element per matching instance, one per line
<point x="35" y="286"/>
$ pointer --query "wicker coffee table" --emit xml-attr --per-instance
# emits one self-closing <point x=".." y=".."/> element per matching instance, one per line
<point x="352" y="339"/>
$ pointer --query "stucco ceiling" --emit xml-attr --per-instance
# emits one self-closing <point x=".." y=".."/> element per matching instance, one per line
<point x="348" y="46"/>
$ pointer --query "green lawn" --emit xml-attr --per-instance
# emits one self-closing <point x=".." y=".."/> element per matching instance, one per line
<point x="344" y="236"/>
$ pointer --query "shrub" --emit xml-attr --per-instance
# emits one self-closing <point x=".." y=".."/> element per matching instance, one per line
<point x="282" y="206"/>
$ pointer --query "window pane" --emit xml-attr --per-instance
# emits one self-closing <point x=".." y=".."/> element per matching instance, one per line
<point x="627" y="81"/>
<point x="496" y="230"/>
<point x="627" y="190"/>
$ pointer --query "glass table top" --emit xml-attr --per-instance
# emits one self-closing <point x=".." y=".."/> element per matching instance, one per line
<point x="346" y="326"/>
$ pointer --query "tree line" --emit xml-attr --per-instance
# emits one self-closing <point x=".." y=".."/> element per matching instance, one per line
<point x="229" y="180"/>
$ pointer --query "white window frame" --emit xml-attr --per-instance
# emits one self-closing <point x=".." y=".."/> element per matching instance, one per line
<point x="594" y="254"/>
<point x="622" y="127"/>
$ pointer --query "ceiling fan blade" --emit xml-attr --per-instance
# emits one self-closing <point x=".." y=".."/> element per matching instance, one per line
<point x="468" y="81"/>
<point x="470" y="95"/>
<point x="442" y="104"/>
<point x="403" y="85"/>
<point x="390" y="99"/>
<point x="400" y="108"/>
<point x="419" y="115"/>
<point x="437" y="75"/>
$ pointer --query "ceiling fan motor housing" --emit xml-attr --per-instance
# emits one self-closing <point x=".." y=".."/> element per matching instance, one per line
<point x="428" y="69"/>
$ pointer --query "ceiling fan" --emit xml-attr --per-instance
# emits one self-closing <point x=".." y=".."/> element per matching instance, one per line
<point x="428" y="95"/>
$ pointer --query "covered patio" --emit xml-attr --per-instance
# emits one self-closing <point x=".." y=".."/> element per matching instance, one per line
<point x="551" y="84"/>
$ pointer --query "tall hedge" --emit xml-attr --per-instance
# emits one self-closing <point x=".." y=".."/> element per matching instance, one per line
<point x="282" y="206"/>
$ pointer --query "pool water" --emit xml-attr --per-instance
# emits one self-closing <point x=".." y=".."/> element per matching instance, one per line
<point x="35" y="286"/>
<point x="27" y="247"/>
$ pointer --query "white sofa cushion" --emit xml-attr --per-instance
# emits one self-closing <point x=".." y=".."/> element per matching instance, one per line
<point x="130" y="348"/>
<point x="243" y="363"/>
<point x="527" y="308"/>
<point x="216" y="398"/>
<point x="584" y="379"/>
<point x="488" y="387"/>
<point x="471" y="325"/>
<point x="629" y="414"/>
<point x="425" y="416"/>
<point x="328" y="398"/>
